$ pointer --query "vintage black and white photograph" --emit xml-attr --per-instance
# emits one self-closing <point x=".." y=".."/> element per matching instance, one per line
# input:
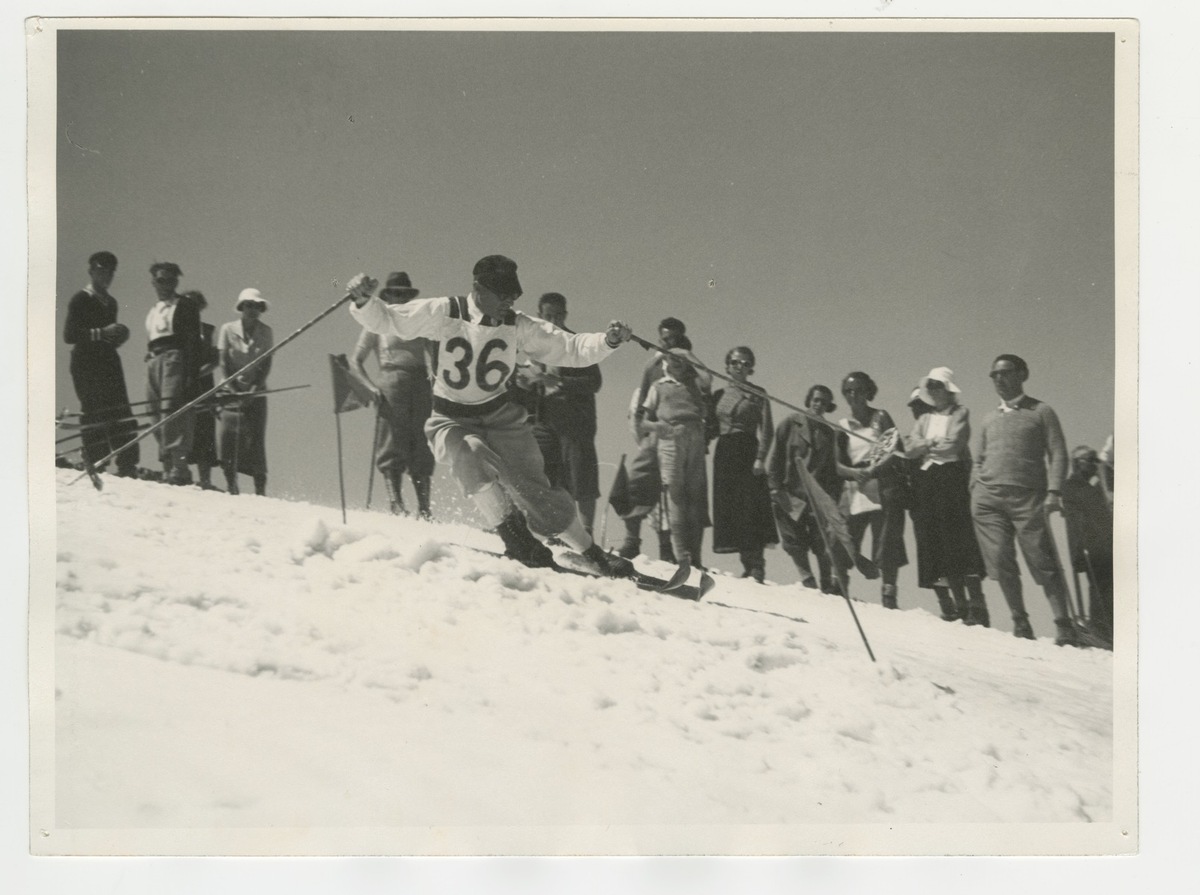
<point x="568" y="437"/>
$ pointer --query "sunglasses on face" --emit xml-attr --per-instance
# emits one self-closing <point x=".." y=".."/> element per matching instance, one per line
<point x="996" y="374"/>
<point x="738" y="362"/>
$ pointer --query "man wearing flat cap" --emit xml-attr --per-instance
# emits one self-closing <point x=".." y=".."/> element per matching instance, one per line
<point x="404" y="396"/>
<point x="485" y="437"/>
<point x="174" y="355"/>
<point x="95" y="335"/>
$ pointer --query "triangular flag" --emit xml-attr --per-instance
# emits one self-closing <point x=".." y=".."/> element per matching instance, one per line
<point x="349" y="392"/>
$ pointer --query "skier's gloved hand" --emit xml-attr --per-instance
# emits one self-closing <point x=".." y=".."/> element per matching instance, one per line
<point x="360" y="288"/>
<point x="617" y="333"/>
<point x="1053" y="502"/>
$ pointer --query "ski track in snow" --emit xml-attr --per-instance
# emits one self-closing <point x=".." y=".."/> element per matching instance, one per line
<point x="310" y="672"/>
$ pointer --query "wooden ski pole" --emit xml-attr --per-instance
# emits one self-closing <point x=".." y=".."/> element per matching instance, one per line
<point x="212" y="391"/>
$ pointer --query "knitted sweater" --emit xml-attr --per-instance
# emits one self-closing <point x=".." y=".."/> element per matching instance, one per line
<point x="1016" y="444"/>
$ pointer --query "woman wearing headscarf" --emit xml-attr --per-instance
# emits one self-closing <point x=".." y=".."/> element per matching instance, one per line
<point x="244" y="421"/>
<point x="742" y="519"/>
<point x="875" y="491"/>
<point x="948" y="557"/>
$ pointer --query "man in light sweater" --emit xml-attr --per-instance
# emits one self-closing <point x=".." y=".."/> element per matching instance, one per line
<point x="1013" y="491"/>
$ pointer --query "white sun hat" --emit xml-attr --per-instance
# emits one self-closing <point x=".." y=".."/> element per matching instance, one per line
<point x="943" y="375"/>
<point x="249" y="295"/>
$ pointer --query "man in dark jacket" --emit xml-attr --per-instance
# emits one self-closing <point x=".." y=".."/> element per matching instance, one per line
<point x="1090" y="535"/>
<point x="562" y="403"/>
<point x="93" y="331"/>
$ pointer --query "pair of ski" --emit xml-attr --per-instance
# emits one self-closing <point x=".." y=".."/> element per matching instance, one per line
<point x="676" y="586"/>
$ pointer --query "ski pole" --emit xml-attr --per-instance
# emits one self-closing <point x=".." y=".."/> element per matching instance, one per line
<point x="374" y="447"/>
<point x="650" y="346"/>
<point x="212" y="391"/>
<point x="63" y="423"/>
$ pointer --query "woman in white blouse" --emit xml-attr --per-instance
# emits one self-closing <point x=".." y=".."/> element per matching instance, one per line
<point x="948" y="558"/>
<point x="244" y="421"/>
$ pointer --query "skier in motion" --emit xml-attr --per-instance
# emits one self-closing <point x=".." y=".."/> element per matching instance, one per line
<point x="487" y="439"/>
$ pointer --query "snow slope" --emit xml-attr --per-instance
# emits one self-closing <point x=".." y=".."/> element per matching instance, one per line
<point x="232" y="663"/>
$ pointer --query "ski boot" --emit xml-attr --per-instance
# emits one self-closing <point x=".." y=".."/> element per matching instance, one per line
<point x="607" y="564"/>
<point x="521" y="545"/>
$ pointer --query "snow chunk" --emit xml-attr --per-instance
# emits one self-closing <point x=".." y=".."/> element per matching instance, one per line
<point x="610" y="623"/>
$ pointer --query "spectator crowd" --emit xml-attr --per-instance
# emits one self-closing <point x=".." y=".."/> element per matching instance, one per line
<point x="520" y="440"/>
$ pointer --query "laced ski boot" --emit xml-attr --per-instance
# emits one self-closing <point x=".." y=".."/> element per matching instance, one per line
<point x="521" y="545"/>
<point x="888" y="596"/>
<point x="260" y="485"/>
<point x="1067" y="634"/>
<point x="607" y="564"/>
<point x="421" y="484"/>
<point x="1022" y="628"/>
<point x="391" y="481"/>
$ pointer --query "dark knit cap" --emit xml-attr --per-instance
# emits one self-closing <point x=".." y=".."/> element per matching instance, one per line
<point x="103" y="261"/>
<point x="497" y="273"/>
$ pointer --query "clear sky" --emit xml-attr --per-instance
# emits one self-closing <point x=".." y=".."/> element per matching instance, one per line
<point x="882" y="202"/>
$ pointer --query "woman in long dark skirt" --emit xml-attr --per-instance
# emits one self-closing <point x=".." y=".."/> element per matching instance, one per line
<point x="948" y="557"/>
<point x="742" y="519"/>
<point x="244" y="420"/>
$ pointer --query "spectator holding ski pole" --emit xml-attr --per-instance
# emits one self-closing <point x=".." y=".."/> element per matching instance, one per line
<point x="486" y="438"/>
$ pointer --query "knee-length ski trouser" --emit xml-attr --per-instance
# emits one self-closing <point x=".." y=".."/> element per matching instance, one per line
<point x="499" y="448"/>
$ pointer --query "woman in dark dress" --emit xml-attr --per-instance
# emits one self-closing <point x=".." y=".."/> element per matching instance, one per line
<point x="948" y="557"/>
<point x="743" y="522"/>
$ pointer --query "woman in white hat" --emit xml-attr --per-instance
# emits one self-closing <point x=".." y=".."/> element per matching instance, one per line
<point x="244" y="421"/>
<point x="948" y="557"/>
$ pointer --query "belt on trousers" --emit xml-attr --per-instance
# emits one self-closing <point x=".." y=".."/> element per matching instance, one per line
<point x="446" y="407"/>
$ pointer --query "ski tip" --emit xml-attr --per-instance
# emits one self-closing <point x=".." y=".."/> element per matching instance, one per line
<point x="706" y="584"/>
<point x="680" y="576"/>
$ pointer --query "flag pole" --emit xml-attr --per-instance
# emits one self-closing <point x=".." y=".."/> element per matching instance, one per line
<point x="212" y="391"/>
<point x="341" y="477"/>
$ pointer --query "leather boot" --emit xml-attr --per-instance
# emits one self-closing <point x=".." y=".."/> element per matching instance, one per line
<point x="946" y="603"/>
<point x="260" y="485"/>
<point x="666" y="552"/>
<point x="521" y="545"/>
<point x="1067" y="634"/>
<point x="977" y="611"/>
<point x="231" y="482"/>
<point x="391" y="481"/>
<point x="888" y="595"/>
<point x="422" y="485"/>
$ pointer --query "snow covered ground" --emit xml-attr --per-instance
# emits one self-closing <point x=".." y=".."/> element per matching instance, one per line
<point x="224" y="664"/>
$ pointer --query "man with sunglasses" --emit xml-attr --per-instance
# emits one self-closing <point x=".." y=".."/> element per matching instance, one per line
<point x="485" y="437"/>
<point x="1018" y="476"/>
<point x="173" y="358"/>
